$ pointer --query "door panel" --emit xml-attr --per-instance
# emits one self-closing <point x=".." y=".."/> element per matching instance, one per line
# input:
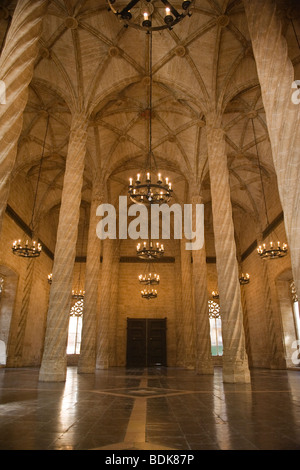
<point x="156" y="342"/>
<point x="136" y="339"/>
<point x="146" y="342"/>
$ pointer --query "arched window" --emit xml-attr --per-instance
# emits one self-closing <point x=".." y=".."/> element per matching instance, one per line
<point x="215" y="328"/>
<point x="75" y="328"/>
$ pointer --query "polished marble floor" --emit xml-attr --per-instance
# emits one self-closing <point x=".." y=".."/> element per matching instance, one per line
<point x="162" y="408"/>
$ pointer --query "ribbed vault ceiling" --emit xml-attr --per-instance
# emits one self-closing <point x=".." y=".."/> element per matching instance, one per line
<point x="89" y="61"/>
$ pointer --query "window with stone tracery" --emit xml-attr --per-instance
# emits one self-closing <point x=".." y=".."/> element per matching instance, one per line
<point x="215" y="328"/>
<point x="75" y="328"/>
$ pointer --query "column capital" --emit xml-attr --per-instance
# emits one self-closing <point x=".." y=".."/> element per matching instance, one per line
<point x="213" y="120"/>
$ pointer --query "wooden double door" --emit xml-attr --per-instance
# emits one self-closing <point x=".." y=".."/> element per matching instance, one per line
<point x="146" y="342"/>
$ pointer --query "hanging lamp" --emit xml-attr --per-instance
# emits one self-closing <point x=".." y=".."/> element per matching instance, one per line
<point x="150" y="250"/>
<point x="147" y="188"/>
<point x="148" y="15"/>
<point x="149" y="294"/>
<point x="274" y="250"/>
<point x="149" y="279"/>
<point x="244" y="279"/>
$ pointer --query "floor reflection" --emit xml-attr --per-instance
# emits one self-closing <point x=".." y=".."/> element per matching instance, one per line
<point x="164" y="408"/>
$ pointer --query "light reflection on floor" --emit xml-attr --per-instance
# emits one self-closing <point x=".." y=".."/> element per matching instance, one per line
<point x="163" y="408"/>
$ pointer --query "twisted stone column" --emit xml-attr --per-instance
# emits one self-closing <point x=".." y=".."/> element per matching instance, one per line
<point x="16" y="70"/>
<point x="235" y="364"/>
<point x="103" y="347"/>
<point x="188" y="318"/>
<point x="179" y="310"/>
<point x="54" y="362"/>
<point x="246" y="325"/>
<point x="276" y="354"/>
<point x="204" y="363"/>
<point x="276" y="76"/>
<point x="87" y="358"/>
<point x="16" y="359"/>
<point x="113" y="324"/>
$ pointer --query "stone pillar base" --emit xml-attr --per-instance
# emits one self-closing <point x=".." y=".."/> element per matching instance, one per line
<point x="236" y="372"/>
<point x="53" y="370"/>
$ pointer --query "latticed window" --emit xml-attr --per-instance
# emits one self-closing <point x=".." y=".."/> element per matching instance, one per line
<point x="215" y="328"/>
<point x="75" y="328"/>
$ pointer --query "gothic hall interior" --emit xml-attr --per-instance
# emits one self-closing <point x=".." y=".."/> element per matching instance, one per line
<point x="149" y="224"/>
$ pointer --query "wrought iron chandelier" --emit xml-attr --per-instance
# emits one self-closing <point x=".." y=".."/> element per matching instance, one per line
<point x="150" y="15"/>
<point x="215" y="294"/>
<point x="150" y="251"/>
<point x="275" y="250"/>
<point x="149" y="279"/>
<point x="153" y="190"/>
<point x="27" y="250"/>
<point x="78" y="294"/>
<point x="150" y="192"/>
<point x="149" y="294"/>
<point x="244" y="279"/>
<point x="31" y="248"/>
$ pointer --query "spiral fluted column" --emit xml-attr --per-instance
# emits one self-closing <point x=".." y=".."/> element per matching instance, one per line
<point x="276" y="76"/>
<point x="178" y="309"/>
<point x="203" y="361"/>
<point x="113" y="324"/>
<point x="87" y="358"/>
<point x="276" y="353"/>
<point x="235" y="362"/>
<point x="16" y="71"/>
<point x="53" y="367"/>
<point x="16" y="359"/>
<point x="187" y="320"/>
<point x="103" y="334"/>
